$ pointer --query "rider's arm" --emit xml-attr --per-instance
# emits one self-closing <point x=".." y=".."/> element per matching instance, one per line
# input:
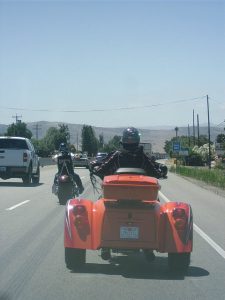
<point x="151" y="167"/>
<point x="108" y="167"/>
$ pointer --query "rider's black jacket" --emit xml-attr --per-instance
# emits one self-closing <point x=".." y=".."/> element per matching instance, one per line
<point x="64" y="160"/>
<point x="127" y="159"/>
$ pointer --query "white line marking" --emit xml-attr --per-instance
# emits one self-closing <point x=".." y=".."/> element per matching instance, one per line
<point x="214" y="245"/>
<point x="17" y="205"/>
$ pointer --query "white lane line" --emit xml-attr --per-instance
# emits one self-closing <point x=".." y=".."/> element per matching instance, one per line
<point x="17" y="205"/>
<point x="214" y="245"/>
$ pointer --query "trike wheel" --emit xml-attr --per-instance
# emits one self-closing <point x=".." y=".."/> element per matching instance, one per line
<point x="179" y="261"/>
<point x="75" y="258"/>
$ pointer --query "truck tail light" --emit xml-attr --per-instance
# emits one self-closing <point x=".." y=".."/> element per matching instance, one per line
<point x="25" y="157"/>
<point x="180" y="218"/>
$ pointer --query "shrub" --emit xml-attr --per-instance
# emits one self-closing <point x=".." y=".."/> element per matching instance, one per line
<point x="215" y="177"/>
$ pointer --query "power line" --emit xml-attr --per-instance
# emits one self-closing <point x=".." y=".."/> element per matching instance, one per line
<point x="216" y="100"/>
<point x="109" y="109"/>
<point x="220" y="123"/>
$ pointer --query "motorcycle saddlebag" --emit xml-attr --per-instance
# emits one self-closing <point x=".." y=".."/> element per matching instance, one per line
<point x="130" y="187"/>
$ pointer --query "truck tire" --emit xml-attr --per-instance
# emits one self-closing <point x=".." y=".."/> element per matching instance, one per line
<point x="27" y="178"/>
<point x="36" y="176"/>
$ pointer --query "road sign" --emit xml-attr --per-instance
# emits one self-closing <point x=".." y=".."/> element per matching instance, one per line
<point x="176" y="146"/>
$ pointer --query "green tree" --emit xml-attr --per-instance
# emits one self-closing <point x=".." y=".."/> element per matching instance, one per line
<point x="64" y="132"/>
<point x="89" y="140"/>
<point x="42" y="147"/>
<point x="113" y="144"/>
<point x="184" y="141"/>
<point x="53" y="138"/>
<point x="220" y="138"/>
<point x="101" y="142"/>
<point x="19" y="129"/>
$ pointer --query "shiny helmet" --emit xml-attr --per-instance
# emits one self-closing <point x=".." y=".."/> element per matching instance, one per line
<point x="131" y="137"/>
<point x="63" y="148"/>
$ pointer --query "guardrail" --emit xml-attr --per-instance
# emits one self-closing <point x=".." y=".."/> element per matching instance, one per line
<point x="47" y="161"/>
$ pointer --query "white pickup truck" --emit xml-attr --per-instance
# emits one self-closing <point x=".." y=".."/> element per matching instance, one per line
<point x="18" y="159"/>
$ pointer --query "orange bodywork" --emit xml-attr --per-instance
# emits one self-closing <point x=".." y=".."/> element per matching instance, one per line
<point x="129" y="216"/>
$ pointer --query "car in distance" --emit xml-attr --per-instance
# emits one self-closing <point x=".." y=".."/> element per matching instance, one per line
<point x="18" y="159"/>
<point x="101" y="156"/>
<point x="81" y="160"/>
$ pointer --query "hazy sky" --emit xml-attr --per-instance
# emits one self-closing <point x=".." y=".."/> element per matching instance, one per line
<point x="112" y="63"/>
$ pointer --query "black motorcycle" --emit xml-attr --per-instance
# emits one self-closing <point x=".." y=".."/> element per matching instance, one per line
<point x="65" y="187"/>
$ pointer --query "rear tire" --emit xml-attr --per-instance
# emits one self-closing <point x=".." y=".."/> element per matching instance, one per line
<point x="179" y="261"/>
<point x="36" y="176"/>
<point x="27" y="178"/>
<point x="64" y="194"/>
<point x="75" y="258"/>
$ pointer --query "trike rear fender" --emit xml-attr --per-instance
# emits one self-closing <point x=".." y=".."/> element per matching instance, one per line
<point x="83" y="224"/>
<point x="175" y="232"/>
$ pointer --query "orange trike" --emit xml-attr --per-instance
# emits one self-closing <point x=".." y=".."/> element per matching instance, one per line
<point x="128" y="217"/>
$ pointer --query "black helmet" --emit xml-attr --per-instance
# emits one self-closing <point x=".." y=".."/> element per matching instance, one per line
<point x="63" y="148"/>
<point x="131" y="136"/>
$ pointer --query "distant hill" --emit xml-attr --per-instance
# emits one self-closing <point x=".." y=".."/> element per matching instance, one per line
<point x="155" y="136"/>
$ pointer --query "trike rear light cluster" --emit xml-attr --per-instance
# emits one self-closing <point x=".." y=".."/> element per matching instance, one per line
<point x="81" y="218"/>
<point x="180" y="218"/>
<point x="79" y="210"/>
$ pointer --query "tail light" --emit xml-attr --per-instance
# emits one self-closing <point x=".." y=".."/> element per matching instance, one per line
<point x="64" y="178"/>
<point x="25" y="157"/>
<point x="81" y="218"/>
<point x="79" y="210"/>
<point x="180" y="218"/>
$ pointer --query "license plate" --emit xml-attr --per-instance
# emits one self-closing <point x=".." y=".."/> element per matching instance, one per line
<point x="129" y="232"/>
<point x="2" y="169"/>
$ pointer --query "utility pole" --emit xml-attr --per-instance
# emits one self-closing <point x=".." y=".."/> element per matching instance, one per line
<point x="189" y="139"/>
<point x="77" y="142"/>
<point x="176" y="129"/>
<point x="17" y="118"/>
<point x="198" y="130"/>
<point x="17" y="121"/>
<point x="209" y="162"/>
<point x="36" y="127"/>
<point x="194" y="127"/>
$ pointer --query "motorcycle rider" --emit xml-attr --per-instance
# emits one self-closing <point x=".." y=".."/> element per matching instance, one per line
<point x="131" y="156"/>
<point x="64" y="160"/>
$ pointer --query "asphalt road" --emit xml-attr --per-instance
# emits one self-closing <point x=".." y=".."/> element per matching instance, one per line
<point x="32" y="253"/>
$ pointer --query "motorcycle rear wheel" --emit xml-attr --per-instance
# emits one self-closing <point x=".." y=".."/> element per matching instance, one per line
<point x="65" y="193"/>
